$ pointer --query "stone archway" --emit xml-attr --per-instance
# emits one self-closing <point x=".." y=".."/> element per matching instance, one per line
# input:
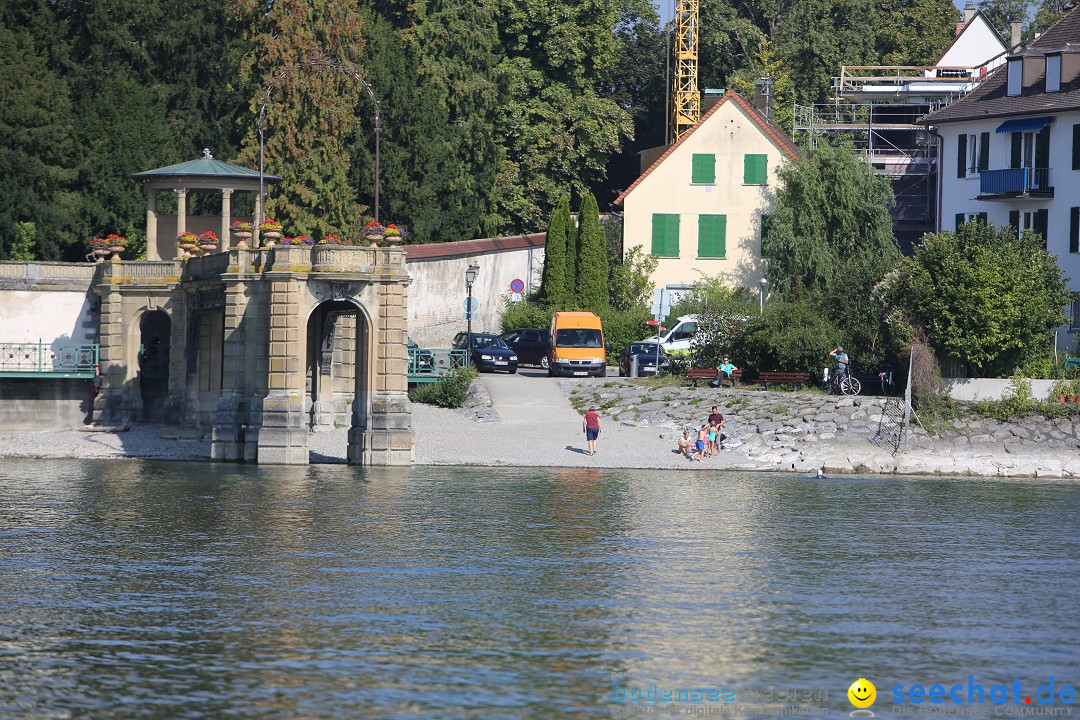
<point x="332" y="358"/>
<point x="155" y="333"/>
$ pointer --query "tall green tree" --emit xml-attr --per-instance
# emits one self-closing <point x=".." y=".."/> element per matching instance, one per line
<point x="985" y="295"/>
<point x="37" y="151"/>
<point x="592" y="270"/>
<point x="831" y="241"/>
<point x="553" y="284"/>
<point x="311" y="114"/>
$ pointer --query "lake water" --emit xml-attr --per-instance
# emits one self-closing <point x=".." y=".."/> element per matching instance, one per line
<point x="183" y="590"/>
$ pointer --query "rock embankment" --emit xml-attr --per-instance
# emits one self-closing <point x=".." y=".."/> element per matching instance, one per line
<point x="804" y="430"/>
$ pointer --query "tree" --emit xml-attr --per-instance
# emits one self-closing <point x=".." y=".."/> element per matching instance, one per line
<point x="23" y="247"/>
<point x="553" y="283"/>
<point x="831" y="241"/>
<point x="592" y="266"/>
<point x="311" y="115"/>
<point x="1001" y="12"/>
<point x="37" y="151"/>
<point x="631" y="282"/>
<point x="766" y="63"/>
<point x="985" y="295"/>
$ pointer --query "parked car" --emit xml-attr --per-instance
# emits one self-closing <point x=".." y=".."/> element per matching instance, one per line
<point x="425" y="359"/>
<point x="532" y="345"/>
<point x="488" y="352"/>
<point x="679" y="335"/>
<point x="646" y="355"/>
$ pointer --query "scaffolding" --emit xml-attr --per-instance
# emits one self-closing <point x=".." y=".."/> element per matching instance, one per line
<point x="686" y="108"/>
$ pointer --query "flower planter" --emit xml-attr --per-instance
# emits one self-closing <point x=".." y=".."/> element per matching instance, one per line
<point x="1061" y="399"/>
<point x="1074" y="398"/>
<point x="100" y="253"/>
<point x="394" y="240"/>
<point x="240" y="238"/>
<point x="374" y="239"/>
<point x="208" y="248"/>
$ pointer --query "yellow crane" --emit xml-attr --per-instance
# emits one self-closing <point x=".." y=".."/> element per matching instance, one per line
<point x="686" y="101"/>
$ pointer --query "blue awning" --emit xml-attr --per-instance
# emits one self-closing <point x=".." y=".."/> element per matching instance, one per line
<point x="1024" y="124"/>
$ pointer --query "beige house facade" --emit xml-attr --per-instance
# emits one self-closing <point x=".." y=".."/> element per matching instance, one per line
<point x="701" y="206"/>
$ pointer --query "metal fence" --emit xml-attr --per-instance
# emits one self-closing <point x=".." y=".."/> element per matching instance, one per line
<point x="64" y="360"/>
<point x="431" y="364"/>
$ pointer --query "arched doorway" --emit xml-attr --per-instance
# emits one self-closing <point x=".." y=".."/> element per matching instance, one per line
<point x="334" y="359"/>
<point x="155" y="329"/>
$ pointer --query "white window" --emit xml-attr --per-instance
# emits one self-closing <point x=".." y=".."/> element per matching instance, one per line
<point x="1053" y="73"/>
<point x="1016" y="75"/>
<point x="973" y="151"/>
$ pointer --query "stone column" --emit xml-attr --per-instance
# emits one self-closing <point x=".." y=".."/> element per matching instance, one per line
<point x="283" y="434"/>
<point x="258" y="218"/>
<point x="111" y="405"/>
<point x="175" y="403"/>
<point x="181" y="210"/>
<point x="388" y="438"/>
<point x="151" y="224"/>
<point x="226" y="217"/>
<point x="230" y="422"/>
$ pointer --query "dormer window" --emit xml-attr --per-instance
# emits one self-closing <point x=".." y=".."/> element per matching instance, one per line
<point x="1016" y="75"/>
<point x="1053" y="72"/>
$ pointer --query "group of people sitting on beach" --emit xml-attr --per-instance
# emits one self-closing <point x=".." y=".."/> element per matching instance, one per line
<point x="709" y="441"/>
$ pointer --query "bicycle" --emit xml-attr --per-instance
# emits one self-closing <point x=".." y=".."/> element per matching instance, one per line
<point x="836" y="383"/>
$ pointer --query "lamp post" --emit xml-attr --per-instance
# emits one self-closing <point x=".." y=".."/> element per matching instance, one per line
<point x="470" y="278"/>
<point x="762" y="284"/>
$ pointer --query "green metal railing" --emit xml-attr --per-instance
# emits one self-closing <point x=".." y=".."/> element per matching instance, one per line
<point x="53" y="360"/>
<point x="431" y="364"/>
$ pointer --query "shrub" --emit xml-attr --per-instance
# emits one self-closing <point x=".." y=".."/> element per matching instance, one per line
<point x="524" y="314"/>
<point x="450" y="392"/>
<point x="789" y="336"/>
<point x="623" y="328"/>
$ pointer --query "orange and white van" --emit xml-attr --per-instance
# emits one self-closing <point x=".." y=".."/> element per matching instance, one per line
<point x="577" y="345"/>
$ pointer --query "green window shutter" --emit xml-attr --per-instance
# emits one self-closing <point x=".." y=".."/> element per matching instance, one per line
<point x="984" y="152"/>
<point x="755" y="169"/>
<point x="1014" y="159"/>
<point x="959" y="221"/>
<point x="665" y="235"/>
<point x="1076" y="147"/>
<point x="961" y="156"/>
<point x="765" y="220"/>
<point x="983" y="218"/>
<point x="703" y="169"/>
<point x="1074" y="229"/>
<point x="1014" y="219"/>
<point x="1042" y="149"/>
<point x="1040" y="224"/>
<point x="712" y="236"/>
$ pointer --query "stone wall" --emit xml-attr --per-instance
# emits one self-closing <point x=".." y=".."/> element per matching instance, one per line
<point x="47" y="302"/>
<point x="44" y="404"/>
<point x="437" y="293"/>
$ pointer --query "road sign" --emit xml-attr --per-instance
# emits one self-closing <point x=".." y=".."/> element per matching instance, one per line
<point x="517" y="285"/>
<point x="661" y="306"/>
<point x="516" y="297"/>
<point x="470" y="304"/>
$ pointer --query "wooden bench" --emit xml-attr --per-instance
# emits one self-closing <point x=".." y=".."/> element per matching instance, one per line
<point x="795" y="379"/>
<point x="695" y="374"/>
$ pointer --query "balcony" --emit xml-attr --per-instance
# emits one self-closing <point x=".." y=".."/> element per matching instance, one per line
<point x="1015" y="183"/>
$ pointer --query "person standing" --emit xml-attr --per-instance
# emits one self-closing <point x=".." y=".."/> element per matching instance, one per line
<point x="717" y="419"/>
<point x="590" y="423"/>
<point x="842" y="363"/>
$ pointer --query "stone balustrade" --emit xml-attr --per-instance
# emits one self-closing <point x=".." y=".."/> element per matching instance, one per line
<point x="139" y="272"/>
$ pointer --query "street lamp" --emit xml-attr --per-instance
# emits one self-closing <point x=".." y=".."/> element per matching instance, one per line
<point x="762" y="284"/>
<point x="470" y="278"/>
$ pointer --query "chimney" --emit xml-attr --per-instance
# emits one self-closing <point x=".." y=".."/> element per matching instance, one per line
<point x="969" y="12"/>
<point x="1014" y="32"/>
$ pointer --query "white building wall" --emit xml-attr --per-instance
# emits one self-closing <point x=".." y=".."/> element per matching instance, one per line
<point x="729" y="133"/>
<point x="960" y="195"/>
<point x="979" y="44"/>
<point x="437" y="293"/>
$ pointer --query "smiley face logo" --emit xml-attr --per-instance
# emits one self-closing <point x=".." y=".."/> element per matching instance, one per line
<point x="862" y="693"/>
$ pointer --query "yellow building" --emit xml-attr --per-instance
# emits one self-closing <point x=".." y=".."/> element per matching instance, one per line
<point x="699" y="207"/>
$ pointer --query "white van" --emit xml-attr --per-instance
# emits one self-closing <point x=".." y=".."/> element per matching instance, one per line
<point x="678" y="336"/>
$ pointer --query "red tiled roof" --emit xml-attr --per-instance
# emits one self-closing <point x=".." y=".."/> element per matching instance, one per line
<point x="473" y="247"/>
<point x="768" y="127"/>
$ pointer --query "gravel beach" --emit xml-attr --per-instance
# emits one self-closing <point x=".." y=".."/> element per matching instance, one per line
<point x="532" y="421"/>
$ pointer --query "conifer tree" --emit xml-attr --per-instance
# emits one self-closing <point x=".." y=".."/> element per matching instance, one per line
<point x="311" y="114"/>
<point x="553" y="285"/>
<point x="592" y="278"/>
<point x="573" y="252"/>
